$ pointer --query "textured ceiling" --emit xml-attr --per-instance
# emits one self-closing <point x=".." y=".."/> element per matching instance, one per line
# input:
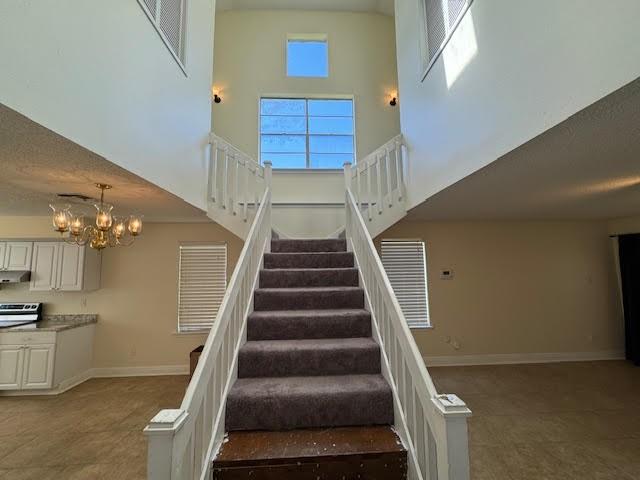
<point x="36" y="164"/>
<point x="587" y="167"/>
<point x="380" y="6"/>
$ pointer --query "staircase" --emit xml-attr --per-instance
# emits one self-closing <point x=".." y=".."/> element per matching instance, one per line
<point x="310" y="363"/>
<point x="310" y="370"/>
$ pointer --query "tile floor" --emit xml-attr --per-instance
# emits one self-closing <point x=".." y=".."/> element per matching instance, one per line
<point x="93" y="431"/>
<point x="551" y="421"/>
<point x="544" y="422"/>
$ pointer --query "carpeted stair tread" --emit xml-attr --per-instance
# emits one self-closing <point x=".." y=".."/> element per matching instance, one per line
<point x="285" y="403"/>
<point x="308" y="298"/>
<point x="301" y="324"/>
<point x="308" y="277"/>
<point x="309" y="245"/>
<point x="293" y="358"/>
<point x="309" y="260"/>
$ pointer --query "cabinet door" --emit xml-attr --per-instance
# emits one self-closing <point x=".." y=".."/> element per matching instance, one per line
<point x="3" y="249"/>
<point x="18" y="256"/>
<point x="70" y="267"/>
<point x="38" y="366"/>
<point x="11" y="360"/>
<point x="44" y="268"/>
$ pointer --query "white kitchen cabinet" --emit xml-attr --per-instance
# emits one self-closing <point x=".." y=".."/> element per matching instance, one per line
<point x="11" y="360"/>
<point x="38" y="366"/>
<point x="50" y="361"/>
<point x="15" y="255"/>
<point x="65" y="267"/>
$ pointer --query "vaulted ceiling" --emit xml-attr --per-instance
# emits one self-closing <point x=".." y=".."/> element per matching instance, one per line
<point x="379" y="6"/>
<point x="36" y="164"/>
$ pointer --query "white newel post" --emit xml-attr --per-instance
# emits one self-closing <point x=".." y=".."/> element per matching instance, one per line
<point x="347" y="175"/>
<point x="267" y="173"/>
<point x="160" y="434"/>
<point x="453" y="454"/>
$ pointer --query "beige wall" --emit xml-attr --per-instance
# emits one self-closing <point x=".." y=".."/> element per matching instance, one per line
<point x="624" y="225"/>
<point x="518" y="287"/>
<point x="137" y="304"/>
<point x="250" y="62"/>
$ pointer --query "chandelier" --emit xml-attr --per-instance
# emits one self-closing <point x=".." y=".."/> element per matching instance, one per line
<point x="109" y="231"/>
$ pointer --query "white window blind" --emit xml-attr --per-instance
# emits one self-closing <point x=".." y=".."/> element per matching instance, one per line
<point x="405" y="264"/>
<point x="168" y="17"/>
<point x="202" y="281"/>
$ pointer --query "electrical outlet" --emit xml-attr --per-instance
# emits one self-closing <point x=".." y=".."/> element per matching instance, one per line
<point x="446" y="274"/>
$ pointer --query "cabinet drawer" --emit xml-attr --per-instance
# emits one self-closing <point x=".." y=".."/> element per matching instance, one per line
<point x="27" y="338"/>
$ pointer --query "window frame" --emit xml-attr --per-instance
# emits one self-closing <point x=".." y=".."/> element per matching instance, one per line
<point x="180" y="329"/>
<point x="179" y="57"/>
<point x="427" y="64"/>
<point x="307" y="153"/>
<point x="428" y="324"/>
<point x="305" y="37"/>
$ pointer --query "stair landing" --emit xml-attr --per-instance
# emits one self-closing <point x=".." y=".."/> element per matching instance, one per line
<point x="310" y="454"/>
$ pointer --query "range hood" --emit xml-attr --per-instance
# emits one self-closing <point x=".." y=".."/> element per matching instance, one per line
<point x="16" y="276"/>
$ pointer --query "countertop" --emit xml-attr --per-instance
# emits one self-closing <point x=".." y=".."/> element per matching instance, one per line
<point x="56" y="323"/>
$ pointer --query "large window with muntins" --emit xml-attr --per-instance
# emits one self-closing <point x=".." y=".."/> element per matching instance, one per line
<point x="306" y="133"/>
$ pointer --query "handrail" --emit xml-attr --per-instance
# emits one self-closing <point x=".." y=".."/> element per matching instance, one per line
<point x="182" y="441"/>
<point x="432" y="426"/>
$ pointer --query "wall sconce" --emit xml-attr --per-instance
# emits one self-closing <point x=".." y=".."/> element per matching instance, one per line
<point x="216" y="97"/>
<point x="393" y="102"/>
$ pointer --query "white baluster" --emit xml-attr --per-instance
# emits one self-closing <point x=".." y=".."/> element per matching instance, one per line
<point x="225" y="178"/>
<point x="347" y="175"/>
<point x="399" y="168"/>
<point x="369" y="168"/>
<point x="213" y="171"/>
<point x="387" y="164"/>
<point x="236" y="184"/>
<point x="379" y="181"/>
<point x="246" y="186"/>
<point x="358" y="187"/>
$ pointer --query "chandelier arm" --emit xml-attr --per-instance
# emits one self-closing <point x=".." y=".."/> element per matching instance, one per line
<point x="120" y="243"/>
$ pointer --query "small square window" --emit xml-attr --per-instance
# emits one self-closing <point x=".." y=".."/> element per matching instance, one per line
<point x="307" y="56"/>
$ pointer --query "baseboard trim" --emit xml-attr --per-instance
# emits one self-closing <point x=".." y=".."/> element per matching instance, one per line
<point x="139" y="371"/>
<point x="516" y="358"/>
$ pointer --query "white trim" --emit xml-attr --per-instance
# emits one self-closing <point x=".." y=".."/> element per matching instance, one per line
<point x="517" y="358"/>
<point x="149" y="371"/>
<point x="105" y="372"/>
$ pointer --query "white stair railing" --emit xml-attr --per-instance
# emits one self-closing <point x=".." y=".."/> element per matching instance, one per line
<point x="433" y="427"/>
<point x="235" y="185"/>
<point x="377" y="182"/>
<point x="182" y="441"/>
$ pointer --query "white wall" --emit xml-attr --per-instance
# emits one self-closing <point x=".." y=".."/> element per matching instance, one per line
<point x="99" y="74"/>
<point x="250" y="62"/>
<point x="532" y="65"/>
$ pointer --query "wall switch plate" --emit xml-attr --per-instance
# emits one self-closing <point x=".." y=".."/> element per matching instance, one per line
<point x="446" y="274"/>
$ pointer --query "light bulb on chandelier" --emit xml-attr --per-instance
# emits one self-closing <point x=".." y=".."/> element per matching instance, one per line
<point x="109" y="231"/>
